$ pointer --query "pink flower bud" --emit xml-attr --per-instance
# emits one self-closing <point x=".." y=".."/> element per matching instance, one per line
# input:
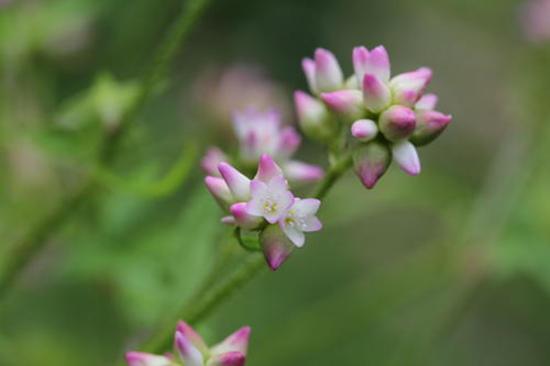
<point x="371" y="162"/>
<point x="375" y="62"/>
<point x="408" y="87"/>
<point x="243" y="218"/>
<point x="426" y="102"/>
<point x="267" y="169"/>
<point x="364" y="130"/>
<point x="228" y="359"/>
<point x="236" y="342"/>
<point x="347" y="103"/>
<point x="429" y="125"/>
<point x="376" y="94"/>
<point x="276" y="246"/>
<point x="210" y="161"/>
<point x="313" y="116"/>
<point x="146" y="359"/>
<point x="405" y="155"/>
<point x="299" y="172"/>
<point x="219" y="190"/>
<point x="190" y="354"/>
<point x="238" y="183"/>
<point x="289" y="141"/>
<point x="397" y="123"/>
<point x="308" y="65"/>
<point x="328" y="74"/>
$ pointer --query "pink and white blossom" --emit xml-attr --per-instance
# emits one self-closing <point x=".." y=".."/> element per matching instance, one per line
<point x="270" y="200"/>
<point x="299" y="219"/>
<point x="405" y="155"/>
<point x="193" y="351"/>
<point x="397" y="123"/>
<point x="364" y="130"/>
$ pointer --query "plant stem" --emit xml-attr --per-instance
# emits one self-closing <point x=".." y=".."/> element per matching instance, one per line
<point x="333" y="174"/>
<point x="198" y="309"/>
<point x="35" y="240"/>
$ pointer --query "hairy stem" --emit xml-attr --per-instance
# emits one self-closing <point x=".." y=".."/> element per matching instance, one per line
<point x="34" y="241"/>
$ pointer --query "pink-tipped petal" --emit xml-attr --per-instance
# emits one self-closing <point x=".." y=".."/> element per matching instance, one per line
<point x="146" y="359"/>
<point x="375" y="62"/>
<point x="308" y="65"/>
<point x="299" y="172"/>
<point x="236" y="342"/>
<point x="376" y="94"/>
<point x="328" y="74"/>
<point x="227" y="359"/>
<point x="313" y="116"/>
<point x="238" y="183"/>
<point x="405" y="155"/>
<point x="211" y="159"/>
<point x="364" y="130"/>
<point x="219" y="190"/>
<point x="189" y="333"/>
<point x="267" y="169"/>
<point x="243" y="218"/>
<point x="408" y="87"/>
<point x="289" y="142"/>
<point x="276" y="246"/>
<point x="426" y="102"/>
<point x="397" y="122"/>
<point x="371" y="162"/>
<point x="190" y="354"/>
<point x="347" y="103"/>
<point x="429" y="125"/>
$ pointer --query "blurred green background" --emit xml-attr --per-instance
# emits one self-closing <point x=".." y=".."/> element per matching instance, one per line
<point x="449" y="268"/>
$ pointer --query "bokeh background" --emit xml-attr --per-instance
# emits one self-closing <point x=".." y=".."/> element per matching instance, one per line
<point x="448" y="268"/>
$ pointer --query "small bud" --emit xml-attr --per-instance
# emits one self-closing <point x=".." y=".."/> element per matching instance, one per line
<point x="146" y="359"/>
<point x="227" y="359"/>
<point x="426" y="102"/>
<point x="219" y="190"/>
<point x="238" y="183"/>
<point x="429" y="125"/>
<point x="376" y="94"/>
<point x="313" y="116"/>
<point x="289" y="141"/>
<point x="408" y="87"/>
<point x="236" y="342"/>
<point x="347" y="103"/>
<point x="375" y="62"/>
<point x="210" y="161"/>
<point x="328" y="74"/>
<point x="405" y="155"/>
<point x="308" y="65"/>
<point x="267" y="169"/>
<point x="299" y="172"/>
<point x="276" y="246"/>
<point x="371" y="162"/>
<point x="243" y="218"/>
<point x="364" y="130"/>
<point x="190" y="355"/>
<point x="397" y="123"/>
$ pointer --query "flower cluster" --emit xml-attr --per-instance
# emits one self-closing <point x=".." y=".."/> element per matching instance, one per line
<point x="265" y="204"/>
<point x="259" y="133"/>
<point x="192" y="350"/>
<point x="388" y="117"/>
<point x="535" y="15"/>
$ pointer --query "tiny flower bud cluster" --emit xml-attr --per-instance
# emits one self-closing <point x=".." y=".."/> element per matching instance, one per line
<point x="265" y="203"/>
<point x="261" y="133"/>
<point x="387" y="117"/>
<point x="192" y="351"/>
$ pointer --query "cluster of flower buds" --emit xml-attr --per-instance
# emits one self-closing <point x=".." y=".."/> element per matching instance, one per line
<point x="535" y="20"/>
<point x="265" y="204"/>
<point x="387" y="117"/>
<point x="259" y="133"/>
<point x="192" y="350"/>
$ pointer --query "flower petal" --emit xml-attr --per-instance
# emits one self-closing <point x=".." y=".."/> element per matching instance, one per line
<point x="308" y="65"/>
<point x="276" y="246"/>
<point x="297" y="171"/>
<point x="427" y="102"/>
<point x="236" y="342"/>
<point x="328" y="74"/>
<point x="219" y="190"/>
<point x="146" y="359"/>
<point x="190" y="354"/>
<point x="238" y="183"/>
<point x="376" y="94"/>
<point x="242" y="216"/>
<point x="210" y="161"/>
<point x="405" y="155"/>
<point x="267" y="169"/>
<point x="227" y="359"/>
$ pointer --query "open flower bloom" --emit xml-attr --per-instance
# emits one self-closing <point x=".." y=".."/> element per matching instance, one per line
<point x="193" y="351"/>
<point x="261" y="133"/>
<point x="300" y="218"/>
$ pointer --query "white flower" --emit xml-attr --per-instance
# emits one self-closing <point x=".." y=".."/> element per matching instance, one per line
<point x="300" y="218"/>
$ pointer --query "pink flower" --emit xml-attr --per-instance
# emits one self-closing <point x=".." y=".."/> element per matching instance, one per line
<point x="193" y="351"/>
<point x="323" y="73"/>
<point x="300" y="218"/>
<point x="364" y="130"/>
<point x="211" y="160"/>
<point x="535" y="15"/>
<point x="370" y="162"/>
<point x="270" y="200"/>
<point x="397" y="123"/>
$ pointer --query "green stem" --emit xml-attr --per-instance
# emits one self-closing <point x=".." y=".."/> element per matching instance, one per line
<point x="199" y="309"/>
<point x="333" y="174"/>
<point x="28" y="247"/>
